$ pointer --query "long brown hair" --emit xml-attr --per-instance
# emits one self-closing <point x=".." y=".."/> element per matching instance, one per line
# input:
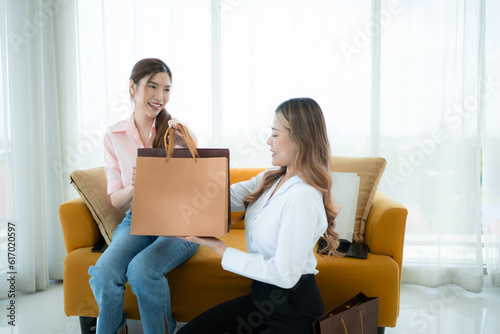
<point x="149" y="67"/>
<point x="305" y="121"/>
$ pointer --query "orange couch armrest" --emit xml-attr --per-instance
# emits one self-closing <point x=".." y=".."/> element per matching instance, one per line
<point x="78" y="225"/>
<point x="385" y="228"/>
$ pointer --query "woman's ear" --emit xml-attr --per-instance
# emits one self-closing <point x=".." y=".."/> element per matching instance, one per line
<point x="131" y="87"/>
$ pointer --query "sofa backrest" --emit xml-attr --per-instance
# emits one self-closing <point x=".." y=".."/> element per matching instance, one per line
<point x="369" y="169"/>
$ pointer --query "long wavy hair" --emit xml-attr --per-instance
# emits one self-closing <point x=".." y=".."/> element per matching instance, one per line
<point x="305" y="121"/>
<point x="149" y="67"/>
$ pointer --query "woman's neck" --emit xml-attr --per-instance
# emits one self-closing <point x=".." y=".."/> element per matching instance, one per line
<point x="142" y="121"/>
<point x="143" y="124"/>
<point x="290" y="172"/>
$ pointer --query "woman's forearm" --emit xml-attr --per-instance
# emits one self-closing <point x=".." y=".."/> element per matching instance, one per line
<point x="122" y="197"/>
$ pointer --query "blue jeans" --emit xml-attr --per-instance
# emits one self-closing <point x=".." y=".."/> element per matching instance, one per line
<point x="144" y="260"/>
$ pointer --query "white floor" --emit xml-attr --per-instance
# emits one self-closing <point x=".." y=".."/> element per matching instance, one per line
<point x="443" y="310"/>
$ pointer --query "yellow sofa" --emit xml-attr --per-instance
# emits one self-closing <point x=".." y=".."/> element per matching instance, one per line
<point x="201" y="283"/>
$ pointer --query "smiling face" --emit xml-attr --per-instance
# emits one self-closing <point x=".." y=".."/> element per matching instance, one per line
<point x="284" y="150"/>
<point x="151" y="94"/>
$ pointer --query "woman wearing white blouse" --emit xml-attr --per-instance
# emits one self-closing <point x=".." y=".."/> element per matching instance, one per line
<point x="286" y="211"/>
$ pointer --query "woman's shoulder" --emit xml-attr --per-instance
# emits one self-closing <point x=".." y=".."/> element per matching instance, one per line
<point x="116" y="131"/>
<point x="119" y="126"/>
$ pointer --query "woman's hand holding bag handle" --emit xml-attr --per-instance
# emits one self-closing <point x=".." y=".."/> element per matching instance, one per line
<point x="169" y="146"/>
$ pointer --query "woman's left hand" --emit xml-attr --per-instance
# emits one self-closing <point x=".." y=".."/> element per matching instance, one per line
<point x="213" y="243"/>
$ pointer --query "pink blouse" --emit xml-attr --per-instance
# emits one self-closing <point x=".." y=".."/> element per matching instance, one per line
<point x="121" y="142"/>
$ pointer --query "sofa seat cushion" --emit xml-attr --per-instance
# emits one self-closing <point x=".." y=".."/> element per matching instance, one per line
<point x="78" y="297"/>
<point x="203" y="276"/>
<point x="201" y="283"/>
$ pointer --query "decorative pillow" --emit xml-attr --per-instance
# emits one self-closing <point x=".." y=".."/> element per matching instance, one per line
<point x="370" y="171"/>
<point x="91" y="184"/>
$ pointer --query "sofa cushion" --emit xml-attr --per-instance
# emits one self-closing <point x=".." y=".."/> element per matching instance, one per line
<point x="91" y="185"/>
<point x="369" y="171"/>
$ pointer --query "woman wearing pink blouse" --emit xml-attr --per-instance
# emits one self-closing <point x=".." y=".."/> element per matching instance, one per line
<point x="142" y="260"/>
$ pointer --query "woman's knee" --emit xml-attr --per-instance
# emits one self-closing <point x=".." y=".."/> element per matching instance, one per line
<point x="139" y="271"/>
<point x="105" y="278"/>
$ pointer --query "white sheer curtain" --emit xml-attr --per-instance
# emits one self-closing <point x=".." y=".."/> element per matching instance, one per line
<point x="430" y="134"/>
<point x="272" y="51"/>
<point x="31" y="139"/>
<point x="233" y="62"/>
<point x="491" y="143"/>
<point x="113" y="36"/>
<point x="439" y="132"/>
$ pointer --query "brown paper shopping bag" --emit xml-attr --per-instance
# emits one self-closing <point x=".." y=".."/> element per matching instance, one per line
<point x="358" y="315"/>
<point x="181" y="192"/>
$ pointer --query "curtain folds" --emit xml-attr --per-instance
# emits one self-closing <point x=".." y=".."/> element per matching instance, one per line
<point x="491" y="142"/>
<point x="30" y="90"/>
<point x="431" y="111"/>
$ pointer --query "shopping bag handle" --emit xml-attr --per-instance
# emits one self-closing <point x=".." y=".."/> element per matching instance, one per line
<point x="169" y="148"/>
<point x="361" y="319"/>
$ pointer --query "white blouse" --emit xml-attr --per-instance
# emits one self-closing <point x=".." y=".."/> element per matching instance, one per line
<point x="280" y="232"/>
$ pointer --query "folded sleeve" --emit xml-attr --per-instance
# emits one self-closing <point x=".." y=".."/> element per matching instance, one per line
<point x="111" y="166"/>
<point x="303" y="220"/>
